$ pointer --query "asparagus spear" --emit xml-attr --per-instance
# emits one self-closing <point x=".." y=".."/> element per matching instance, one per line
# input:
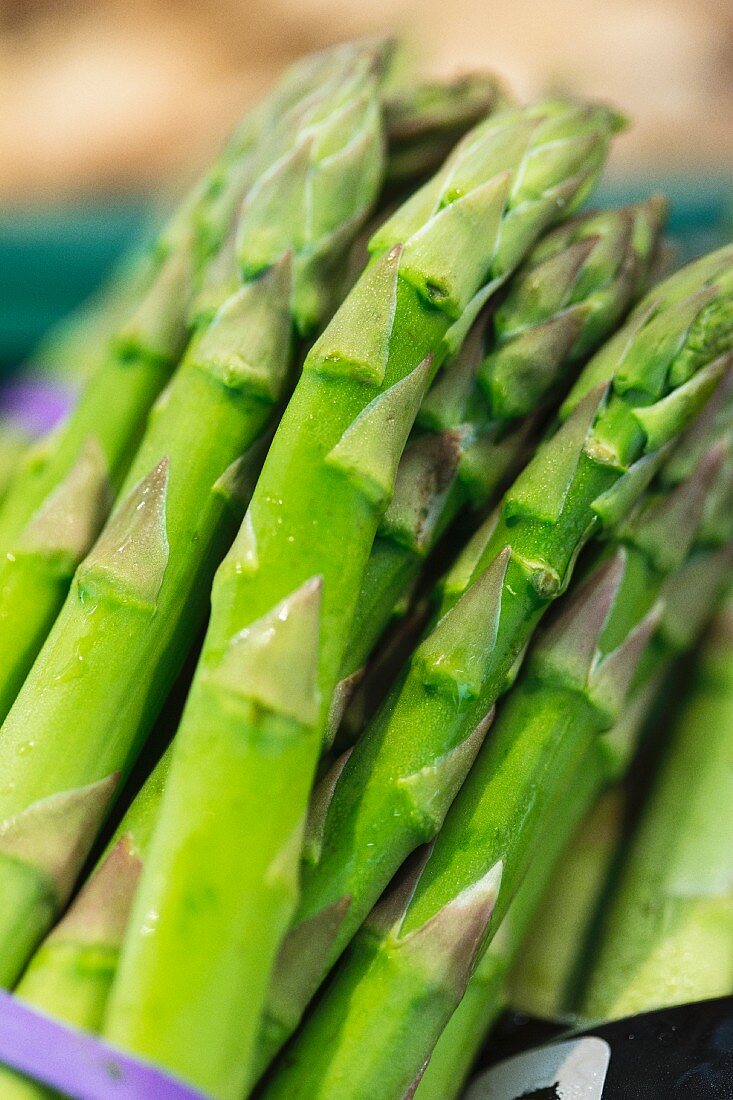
<point x="487" y="994"/>
<point x="141" y="594"/>
<point x="71" y="973"/>
<point x="56" y="509"/>
<point x="540" y="979"/>
<point x="284" y="598"/>
<point x="570" y="294"/>
<point x="539" y="983"/>
<point x="394" y="790"/>
<point x="668" y="935"/>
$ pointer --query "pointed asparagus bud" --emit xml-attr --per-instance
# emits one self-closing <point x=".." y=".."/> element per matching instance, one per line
<point x="100" y="913"/>
<point x="615" y="504"/>
<point x="54" y="835"/>
<point x="556" y="160"/>
<point x="525" y="222"/>
<point x="157" y="330"/>
<point x="665" y="419"/>
<point x="274" y="661"/>
<point x="344" y="172"/>
<point x="370" y="449"/>
<point x="542" y="289"/>
<point x="444" y="949"/>
<point x="318" y="809"/>
<point x="446" y="403"/>
<point x="298" y="971"/>
<point x="457" y="654"/>
<point x="342" y="695"/>
<point x="237" y="483"/>
<point x="646" y="367"/>
<point x="242" y="557"/>
<point x="424" y="475"/>
<point x="274" y="213"/>
<point x="715" y="419"/>
<point x="69" y="520"/>
<point x="129" y="559"/>
<point x="247" y="346"/>
<point x="667" y="525"/>
<point x="349" y="347"/>
<point x="431" y="790"/>
<point x="540" y="490"/>
<point x="441" y="259"/>
<point x="518" y="375"/>
<point x="611" y="679"/>
<point x="567" y="650"/>
<point x="457" y="580"/>
<point x="425" y="121"/>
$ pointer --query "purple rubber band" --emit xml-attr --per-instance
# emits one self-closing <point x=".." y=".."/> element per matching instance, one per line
<point x="36" y="406"/>
<point x="79" y="1065"/>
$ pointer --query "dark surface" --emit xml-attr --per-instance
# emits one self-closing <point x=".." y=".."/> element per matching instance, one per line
<point x="681" y="1053"/>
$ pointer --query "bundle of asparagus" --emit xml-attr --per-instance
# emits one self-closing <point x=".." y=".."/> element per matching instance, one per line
<point x="350" y="443"/>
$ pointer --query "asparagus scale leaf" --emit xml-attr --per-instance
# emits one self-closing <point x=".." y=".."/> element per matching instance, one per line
<point x="570" y="293"/>
<point x="60" y="501"/>
<point x="284" y="598"/>
<point x="668" y="931"/>
<point x="635" y="396"/>
<point x="140" y="596"/>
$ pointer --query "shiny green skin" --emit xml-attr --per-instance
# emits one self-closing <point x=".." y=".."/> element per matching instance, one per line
<point x="668" y="932"/>
<point x="180" y="289"/>
<point x="70" y="975"/>
<point x="139" y="599"/>
<point x="537" y="917"/>
<point x="569" y="295"/>
<point x="284" y="599"/>
<point x="487" y="992"/>
<point x="589" y="470"/>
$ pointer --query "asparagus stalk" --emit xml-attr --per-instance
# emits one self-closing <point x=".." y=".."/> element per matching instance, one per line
<point x="551" y="913"/>
<point x="140" y="596"/>
<point x="668" y="935"/>
<point x="539" y="984"/>
<point x="394" y="790"/>
<point x="487" y="992"/>
<point x="71" y="973"/>
<point x="56" y="508"/>
<point x="570" y="294"/>
<point x="284" y="598"/>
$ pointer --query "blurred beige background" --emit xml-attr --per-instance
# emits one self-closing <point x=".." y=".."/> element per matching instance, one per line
<point x="120" y="94"/>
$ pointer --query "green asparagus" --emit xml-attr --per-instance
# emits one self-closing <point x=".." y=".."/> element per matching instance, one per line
<point x="569" y="295"/>
<point x="284" y="598"/>
<point x="668" y="935"/>
<point x="58" y="504"/>
<point x="141" y="595"/>
<point x="542" y="980"/>
<point x="71" y="972"/>
<point x="486" y="994"/>
<point x="539" y="983"/>
<point x="392" y="793"/>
